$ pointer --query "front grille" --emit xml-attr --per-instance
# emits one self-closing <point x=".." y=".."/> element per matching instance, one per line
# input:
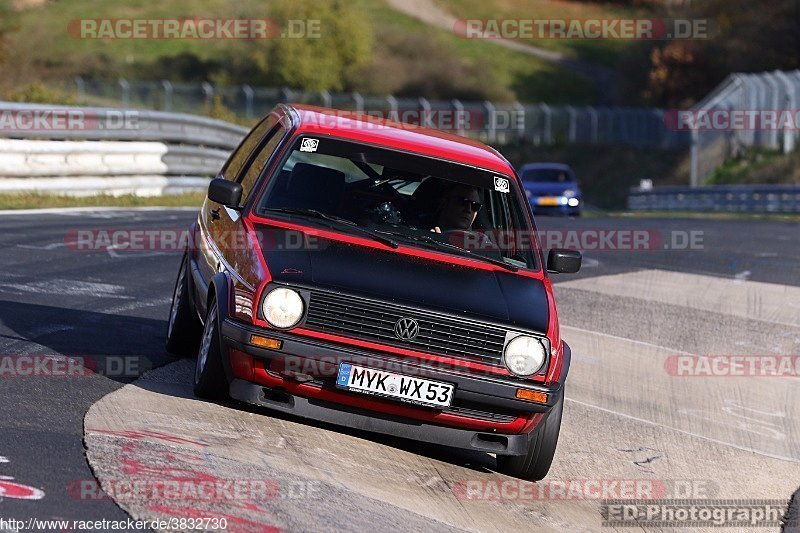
<point x="371" y="320"/>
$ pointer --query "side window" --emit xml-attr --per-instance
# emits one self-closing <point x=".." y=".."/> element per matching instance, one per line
<point x="260" y="160"/>
<point x="240" y="156"/>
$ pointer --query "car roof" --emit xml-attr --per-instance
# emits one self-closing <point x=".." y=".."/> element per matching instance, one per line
<point x="545" y="166"/>
<point x="364" y="128"/>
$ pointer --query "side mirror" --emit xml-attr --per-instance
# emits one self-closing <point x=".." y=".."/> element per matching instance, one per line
<point x="227" y="193"/>
<point x="561" y="261"/>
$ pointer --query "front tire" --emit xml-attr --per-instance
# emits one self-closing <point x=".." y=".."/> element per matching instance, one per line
<point x="209" y="375"/>
<point x="183" y="326"/>
<point x="541" y="448"/>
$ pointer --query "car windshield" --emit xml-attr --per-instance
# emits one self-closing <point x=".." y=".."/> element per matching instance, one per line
<point x="400" y="198"/>
<point x="547" y="175"/>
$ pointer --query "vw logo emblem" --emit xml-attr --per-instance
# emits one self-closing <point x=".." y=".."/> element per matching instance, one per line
<point x="406" y="328"/>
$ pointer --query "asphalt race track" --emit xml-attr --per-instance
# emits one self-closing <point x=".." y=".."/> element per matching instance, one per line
<point x="633" y="423"/>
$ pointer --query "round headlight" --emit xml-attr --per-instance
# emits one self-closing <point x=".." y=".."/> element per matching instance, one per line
<point x="524" y="356"/>
<point x="569" y="193"/>
<point x="282" y="308"/>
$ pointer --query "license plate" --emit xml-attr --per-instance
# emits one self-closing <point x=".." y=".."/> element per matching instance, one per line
<point x="396" y="386"/>
<point x="548" y="200"/>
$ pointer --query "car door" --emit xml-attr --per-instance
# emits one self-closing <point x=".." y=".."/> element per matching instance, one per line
<point x="208" y="257"/>
<point x="228" y="248"/>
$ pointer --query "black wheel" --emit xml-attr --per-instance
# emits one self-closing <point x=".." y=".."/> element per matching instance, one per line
<point x="541" y="449"/>
<point x="183" y="327"/>
<point x="791" y="520"/>
<point x="209" y="375"/>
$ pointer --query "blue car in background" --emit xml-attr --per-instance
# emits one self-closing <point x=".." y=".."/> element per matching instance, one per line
<point x="552" y="189"/>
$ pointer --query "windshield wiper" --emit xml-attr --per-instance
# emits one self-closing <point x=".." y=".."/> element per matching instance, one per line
<point x="461" y="251"/>
<point x="313" y="213"/>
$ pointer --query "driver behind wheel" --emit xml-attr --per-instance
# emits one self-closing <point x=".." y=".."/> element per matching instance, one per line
<point x="458" y="208"/>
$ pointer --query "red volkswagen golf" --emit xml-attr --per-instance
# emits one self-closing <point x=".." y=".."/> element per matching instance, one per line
<point x="378" y="276"/>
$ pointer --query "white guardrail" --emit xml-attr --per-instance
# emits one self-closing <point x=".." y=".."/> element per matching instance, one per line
<point x="89" y="150"/>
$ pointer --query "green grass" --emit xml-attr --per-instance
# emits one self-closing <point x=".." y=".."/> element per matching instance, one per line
<point x="758" y="166"/>
<point x="40" y="201"/>
<point x="43" y="30"/>
<point x="530" y="78"/>
<point x="605" y="52"/>
<point x="774" y="217"/>
<point x="47" y="51"/>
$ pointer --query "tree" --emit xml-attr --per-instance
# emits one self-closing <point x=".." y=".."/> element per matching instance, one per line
<point x="5" y="28"/>
<point x="321" y="44"/>
<point x="745" y="36"/>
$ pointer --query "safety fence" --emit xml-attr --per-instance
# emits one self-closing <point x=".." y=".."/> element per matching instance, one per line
<point x="718" y="198"/>
<point x="492" y="122"/>
<point x="745" y="111"/>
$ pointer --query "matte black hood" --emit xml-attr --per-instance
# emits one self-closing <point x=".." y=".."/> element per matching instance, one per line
<point x="385" y="275"/>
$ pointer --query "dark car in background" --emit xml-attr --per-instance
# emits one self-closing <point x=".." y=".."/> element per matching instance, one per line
<point x="552" y="189"/>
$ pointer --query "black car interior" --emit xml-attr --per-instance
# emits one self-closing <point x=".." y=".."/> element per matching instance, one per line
<point x="386" y="198"/>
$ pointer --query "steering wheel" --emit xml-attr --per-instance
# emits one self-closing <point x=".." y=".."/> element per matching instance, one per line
<point x="386" y="213"/>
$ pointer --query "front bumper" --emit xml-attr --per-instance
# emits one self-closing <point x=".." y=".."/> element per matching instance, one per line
<point x="486" y="415"/>
<point x="375" y="422"/>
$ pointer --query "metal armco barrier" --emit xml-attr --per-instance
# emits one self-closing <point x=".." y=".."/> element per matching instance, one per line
<point x="85" y="150"/>
<point x="22" y="158"/>
<point x="718" y="198"/>
<point x="105" y="123"/>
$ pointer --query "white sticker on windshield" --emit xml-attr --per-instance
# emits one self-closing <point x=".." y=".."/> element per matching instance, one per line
<point x="501" y="184"/>
<point x="309" y="145"/>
